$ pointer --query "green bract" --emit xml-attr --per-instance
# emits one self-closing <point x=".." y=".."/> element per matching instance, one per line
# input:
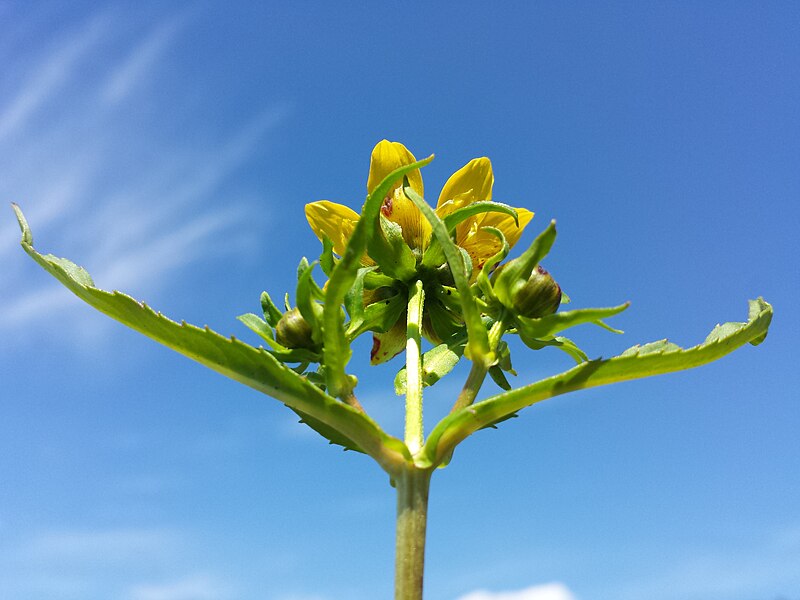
<point x="401" y="271"/>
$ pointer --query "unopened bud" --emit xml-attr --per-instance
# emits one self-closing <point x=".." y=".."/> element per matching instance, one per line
<point x="539" y="296"/>
<point x="293" y="331"/>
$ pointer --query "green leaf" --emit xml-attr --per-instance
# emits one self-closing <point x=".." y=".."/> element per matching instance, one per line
<point x="271" y="312"/>
<point x="551" y="324"/>
<point x="436" y="363"/>
<point x="483" y="276"/>
<point x="259" y="326"/>
<point x="478" y="344"/>
<point x="564" y="344"/>
<point x="517" y="271"/>
<point x="254" y="367"/>
<point x="462" y="214"/>
<point x="571" y="348"/>
<point x="443" y="322"/>
<point x="354" y="299"/>
<point x="504" y="357"/>
<point x="336" y="347"/>
<point x="378" y="316"/>
<point x="390" y="251"/>
<point x="305" y="293"/>
<point x="375" y="280"/>
<point x="286" y="355"/>
<point x="326" y="259"/>
<point x="497" y="375"/>
<point x="637" y="362"/>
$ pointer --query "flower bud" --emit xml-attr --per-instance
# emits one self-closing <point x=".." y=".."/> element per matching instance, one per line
<point x="293" y="331"/>
<point x="538" y="297"/>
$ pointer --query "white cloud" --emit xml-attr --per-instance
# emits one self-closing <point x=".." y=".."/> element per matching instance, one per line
<point x="48" y="76"/>
<point x="196" y="587"/>
<point x="139" y="62"/>
<point x="127" y="201"/>
<point x="549" y="591"/>
<point x="114" y="545"/>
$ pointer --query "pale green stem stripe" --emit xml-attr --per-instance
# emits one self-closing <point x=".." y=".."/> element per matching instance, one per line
<point x="414" y="429"/>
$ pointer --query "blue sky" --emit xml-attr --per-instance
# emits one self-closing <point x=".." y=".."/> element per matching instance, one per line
<point x="170" y="149"/>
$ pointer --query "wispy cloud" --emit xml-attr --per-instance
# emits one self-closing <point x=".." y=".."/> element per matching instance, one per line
<point x="549" y="591"/>
<point x="126" y="200"/>
<point x="51" y="73"/>
<point x="140" y="61"/>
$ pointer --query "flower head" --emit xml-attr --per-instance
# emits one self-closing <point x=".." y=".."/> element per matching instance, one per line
<point x="472" y="183"/>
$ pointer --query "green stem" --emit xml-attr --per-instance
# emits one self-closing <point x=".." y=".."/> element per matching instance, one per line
<point x="479" y="370"/>
<point x="350" y="398"/>
<point x="414" y="435"/>
<point x="413" y="485"/>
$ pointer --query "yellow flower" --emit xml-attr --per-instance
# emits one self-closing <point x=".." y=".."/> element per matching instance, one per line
<point x="472" y="183"/>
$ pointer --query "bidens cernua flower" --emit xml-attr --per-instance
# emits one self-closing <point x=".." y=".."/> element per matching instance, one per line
<point x="472" y="183"/>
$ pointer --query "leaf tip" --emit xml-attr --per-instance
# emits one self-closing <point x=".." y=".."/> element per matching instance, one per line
<point x="27" y="237"/>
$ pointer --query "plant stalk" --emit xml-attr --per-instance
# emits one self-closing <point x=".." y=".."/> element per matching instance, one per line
<point x="412" y="485"/>
<point x="414" y="433"/>
<point x="479" y="370"/>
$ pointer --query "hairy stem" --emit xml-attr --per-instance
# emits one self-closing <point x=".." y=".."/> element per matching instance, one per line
<point x="479" y="370"/>
<point x="414" y="436"/>
<point x="412" y="516"/>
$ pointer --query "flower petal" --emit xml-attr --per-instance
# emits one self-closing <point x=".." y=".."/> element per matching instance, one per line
<point x="332" y="220"/>
<point x="416" y="228"/>
<point x="388" y="156"/>
<point x="506" y="224"/>
<point x="471" y="183"/>
<point x="481" y="245"/>
<point x="386" y="346"/>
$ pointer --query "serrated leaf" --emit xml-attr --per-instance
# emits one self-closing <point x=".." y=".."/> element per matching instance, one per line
<point x="336" y="347"/>
<point x="659" y="359"/>
<point x="333" y="436"/>
<point x="254" y="367"/>
<point x="657" y="347"/>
